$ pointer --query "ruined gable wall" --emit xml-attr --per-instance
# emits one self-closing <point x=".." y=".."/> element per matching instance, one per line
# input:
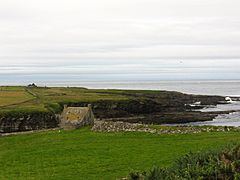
<point x="76" y="117"/>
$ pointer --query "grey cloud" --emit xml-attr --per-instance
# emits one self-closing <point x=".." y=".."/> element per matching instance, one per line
<point x="114" y="37"/>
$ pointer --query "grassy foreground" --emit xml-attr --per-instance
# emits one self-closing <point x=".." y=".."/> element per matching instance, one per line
<point x="83" y="154"/>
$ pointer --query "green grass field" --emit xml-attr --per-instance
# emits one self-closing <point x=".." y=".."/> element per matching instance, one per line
<point x="83" y="154"/>
<point x="17" y="98"/>
<point x="20" y="98"/>
<point x="13" y="95"/>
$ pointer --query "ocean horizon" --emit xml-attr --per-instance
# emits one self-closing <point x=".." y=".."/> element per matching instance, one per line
<point x="204" y="87"/>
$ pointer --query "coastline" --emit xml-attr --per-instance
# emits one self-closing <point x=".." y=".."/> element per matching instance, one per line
<point x="43" y="105"/>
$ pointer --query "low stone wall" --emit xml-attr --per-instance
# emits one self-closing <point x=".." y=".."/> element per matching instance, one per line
<point x="109" y="126"/>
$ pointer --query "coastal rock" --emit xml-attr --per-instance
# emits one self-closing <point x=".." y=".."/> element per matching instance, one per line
<point x="26" y="121"/>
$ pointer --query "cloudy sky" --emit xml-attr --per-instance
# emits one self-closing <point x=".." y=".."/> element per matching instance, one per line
<point x="119" y="39"/>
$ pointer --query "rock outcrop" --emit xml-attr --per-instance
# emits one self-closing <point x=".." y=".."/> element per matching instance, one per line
<point x="149" y="104"/>
<point x="27" y="121"/>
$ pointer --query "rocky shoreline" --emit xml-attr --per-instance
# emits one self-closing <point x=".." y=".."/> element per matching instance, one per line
<point x="144" y="107"/>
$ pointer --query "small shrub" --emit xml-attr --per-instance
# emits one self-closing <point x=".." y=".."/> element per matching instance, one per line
<point x="136" y="175"/>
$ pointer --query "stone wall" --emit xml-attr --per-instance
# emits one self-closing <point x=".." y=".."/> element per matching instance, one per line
<point x="109" y="126"/>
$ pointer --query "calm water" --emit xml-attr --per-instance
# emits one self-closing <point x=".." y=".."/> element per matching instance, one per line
<point x="232" y="119"/>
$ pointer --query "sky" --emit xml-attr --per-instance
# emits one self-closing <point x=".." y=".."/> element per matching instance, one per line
<point x="43" y="40"/>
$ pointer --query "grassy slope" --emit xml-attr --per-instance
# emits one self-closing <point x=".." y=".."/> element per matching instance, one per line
<point x="82" y="154"/>
<point x="17" y="98"/>
<point x="14" y="98"/>
<point x="13" y="95"/>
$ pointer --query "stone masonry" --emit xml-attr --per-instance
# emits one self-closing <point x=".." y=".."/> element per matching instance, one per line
<point x="76" y="117"/>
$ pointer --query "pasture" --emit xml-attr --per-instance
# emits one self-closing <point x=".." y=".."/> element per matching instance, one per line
<point x="83" y="154"/>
